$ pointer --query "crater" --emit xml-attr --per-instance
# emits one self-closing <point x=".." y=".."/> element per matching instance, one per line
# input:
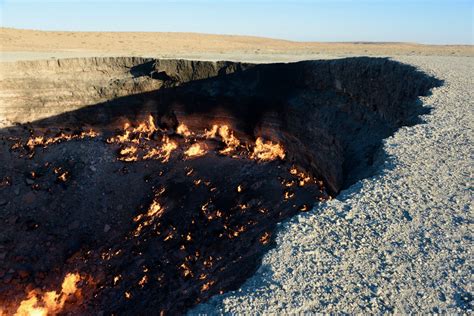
<point x="152" y="185"/>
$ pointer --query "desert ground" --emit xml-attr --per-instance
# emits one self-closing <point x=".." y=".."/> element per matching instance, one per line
<point x="399" y="241"/>
<point x="28" y="45"/>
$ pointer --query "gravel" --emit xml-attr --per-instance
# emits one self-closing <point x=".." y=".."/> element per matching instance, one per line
<point x="399" y="241"/>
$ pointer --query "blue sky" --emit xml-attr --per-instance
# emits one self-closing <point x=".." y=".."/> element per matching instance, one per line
<point x="422" y="21"/>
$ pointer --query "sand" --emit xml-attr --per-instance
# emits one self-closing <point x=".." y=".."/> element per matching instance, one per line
<point x="399" y="241"/>
<point x="28" y="45"/>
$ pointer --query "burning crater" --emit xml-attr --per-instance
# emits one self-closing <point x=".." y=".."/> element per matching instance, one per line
<point x="154" y="201"/>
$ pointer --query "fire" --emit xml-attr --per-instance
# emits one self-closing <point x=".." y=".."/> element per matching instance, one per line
<point x="167" y="148"/>
<point x="50" y="303"/>
<point x="63" y="175"/>
<point x="143" y="281"/>
<point x="147" y="128"/>
<point x="303" y="178"/>
<point x="195" y="151"/>
<point x="45" y="142"/>
<point x="227" y="135"/>
<point x="212" y="132"/>
<point x="117" y="278"/>
<point x="128" y="154"/>
<point x="164" y="152"/>
<point x="206" y="286"/>
<point x="135" y="134"/>
<point x="265" y="238"/>
<point x="186" y="270"/>
<point x="267" y="151"/>
<point x="304" y="208"/>
<point x="135" y="141"/>
<point x="288" y="195"/>
<point x="183" y="130"/>
<point x="229" y="139"/>
<point x="155" y="211"/>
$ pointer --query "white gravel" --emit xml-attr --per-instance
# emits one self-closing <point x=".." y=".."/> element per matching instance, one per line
<point x="400" y="241"/>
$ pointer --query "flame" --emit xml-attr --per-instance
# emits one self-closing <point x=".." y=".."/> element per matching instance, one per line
<point x="45" y="142"/>
<point x="155" y="211"/>
<point x="267" y="151"/>
<point x="164" y="152"/>
<point x="183" y="130"/>
<point x="227" y="135"/>
<point x="186" y="270"/>
<point x="195" y="151"/>
<point x="206" y="286"/>
<point x="50" y="303"/>
<point x="147" y="128"/>
<point x="304" y="208"/>
<point x="117" y="278"/>
<point x="128" y="154"/>
<point x="288" y="195"/>
<point x="143" y="281"/>
<point x="212" y="132"/>
<point x="265" y="238"/>
<point x="135" y="134"/>
<point x="62" y="175"/>
<point x="303" y="178"/>
<point x="229" y="139"/>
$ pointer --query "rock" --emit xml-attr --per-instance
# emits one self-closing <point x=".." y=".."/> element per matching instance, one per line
<point x="7" y="278"/>
<point x="16" y="190"/>
<point x="94" y="169"/>
<point x="73" y="225"/>
<point x="12" y="219"/>
<point x="106" y="228"/>
<point x="29" y="181"/>
<point x="29" y="198"/>
<point x="23" y="274"/>
<point x="3" y="202"/>
<point x="3" y="255"/>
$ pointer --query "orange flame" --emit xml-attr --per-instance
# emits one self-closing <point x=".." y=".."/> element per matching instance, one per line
<point x="195" y="151"/>
<point x="229" y="139"/>
<point x="183" y="130"/>
<point x="212" y="132"/>
<point x="206" y="286"/>
<point x="267" y="151"/>
<point x="42" y="141"/>
<point x="155" y="210"/>
<point x="265" y="238"/>
<point x="164" y="152"/>
<point x="51" y="302"/>
<point x="135" y="134"/>
<point x="227" y="135"/>
<point x="128" y="154"/>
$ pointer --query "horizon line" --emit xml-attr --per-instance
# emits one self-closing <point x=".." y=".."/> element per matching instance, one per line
<point x="361" y="42"/>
